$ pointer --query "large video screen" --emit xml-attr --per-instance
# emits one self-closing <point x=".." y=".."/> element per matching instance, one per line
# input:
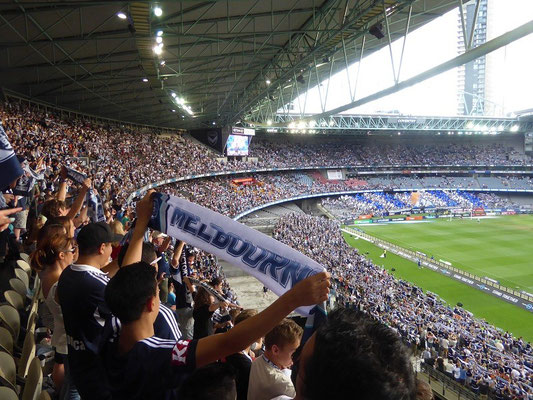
<point x="237" y="145"/>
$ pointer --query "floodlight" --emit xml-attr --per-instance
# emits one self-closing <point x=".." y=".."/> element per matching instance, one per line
<point x="121" y="15"/>
<point x="158" y="11"/>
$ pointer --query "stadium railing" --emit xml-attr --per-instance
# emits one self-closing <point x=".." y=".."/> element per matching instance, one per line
<point x="444" y="386"/>
<point x="406" y="253"/>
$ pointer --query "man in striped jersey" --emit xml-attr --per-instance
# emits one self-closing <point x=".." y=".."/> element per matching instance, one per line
<point x="88" y="321"/>
<point x="142" y="366"/>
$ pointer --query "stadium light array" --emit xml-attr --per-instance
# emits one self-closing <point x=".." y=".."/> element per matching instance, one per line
<point x="145" y="80"/>
<point x="159" y="39"/>
<point x="158" y="49"/>
<point x="173" y="94"/>
<point x="158" y="11"/>
<point x="121" y="15"/>
<point x="159" y="33"/>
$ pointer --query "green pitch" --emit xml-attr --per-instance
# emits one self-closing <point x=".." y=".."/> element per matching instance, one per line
<point x="499" y="248"/>
<point x="460" y="242"/>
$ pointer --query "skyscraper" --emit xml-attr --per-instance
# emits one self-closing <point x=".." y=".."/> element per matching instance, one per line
<point x="471" y="79"/>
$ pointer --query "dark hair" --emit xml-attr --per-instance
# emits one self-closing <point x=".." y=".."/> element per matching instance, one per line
<point x="216" y="281"/>
<point x="63" y="221"/>
<point x="128" y="291"/>
<point x="148" y="255"/>
<point x="202" y="298"/>
<point x="286" y="332"/>
<point x="52" y="208"/>
<point x="213" y="382"/>
<point x="50" y="230"/>
<point x="88" y="250"/>
<point x="354" y="355"/>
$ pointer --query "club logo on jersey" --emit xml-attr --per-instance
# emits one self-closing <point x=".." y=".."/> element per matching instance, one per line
<point x="179" y="352"/>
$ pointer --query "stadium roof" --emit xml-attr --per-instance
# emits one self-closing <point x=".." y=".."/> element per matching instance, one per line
<point x="216" y="60"/>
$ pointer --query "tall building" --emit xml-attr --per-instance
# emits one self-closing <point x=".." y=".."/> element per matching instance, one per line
<point x="472" y="77"/>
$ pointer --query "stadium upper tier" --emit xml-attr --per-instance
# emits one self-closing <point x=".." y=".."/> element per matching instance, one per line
<point x="123" y="160"/>
<point x="226" y="196"/>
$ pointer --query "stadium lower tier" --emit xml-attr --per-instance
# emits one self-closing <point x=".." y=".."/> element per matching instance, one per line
<point x="450" y="338"/>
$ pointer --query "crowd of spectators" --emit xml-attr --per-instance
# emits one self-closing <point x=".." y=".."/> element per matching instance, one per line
<point x="124" y="159"/>
<point x="475" y="353"/>
<point x="283" y="154"/>
<point x="91" y="276"/>
<point x="380" y="203"/>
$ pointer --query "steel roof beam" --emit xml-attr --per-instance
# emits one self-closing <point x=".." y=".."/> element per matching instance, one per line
<point x="231" y="18"/>
<point x="470" y="55"/>
<point x="39" y="52"/>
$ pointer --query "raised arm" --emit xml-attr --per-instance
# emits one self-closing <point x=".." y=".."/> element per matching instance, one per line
<point x="135" y="247"/>
<point x="80" y="198"/>
<point x="80" y="219"/>
<point x="175" y="262"/>
<point x="62" y="192"/>
<point x="312" y="290"/>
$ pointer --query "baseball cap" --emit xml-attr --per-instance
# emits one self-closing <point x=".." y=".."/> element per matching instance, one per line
<point x="96" y="233"/>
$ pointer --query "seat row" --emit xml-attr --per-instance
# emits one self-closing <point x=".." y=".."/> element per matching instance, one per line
<point x="21" y="374"/>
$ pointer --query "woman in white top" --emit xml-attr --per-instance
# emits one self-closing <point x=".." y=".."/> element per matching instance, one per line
<point x="56" y="249"/>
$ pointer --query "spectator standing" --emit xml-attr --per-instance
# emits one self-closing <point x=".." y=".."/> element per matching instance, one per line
<point x="81" y="295"/>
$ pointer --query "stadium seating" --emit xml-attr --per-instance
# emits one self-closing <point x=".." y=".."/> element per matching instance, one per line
<point x="122" y="161"/>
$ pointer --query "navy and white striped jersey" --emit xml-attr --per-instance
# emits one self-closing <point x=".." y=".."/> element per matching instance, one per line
<point x="153" y="369"/>
<point x="81" y="291"/>
<point x="81" y="295"/>
<point x="165" y="325"/>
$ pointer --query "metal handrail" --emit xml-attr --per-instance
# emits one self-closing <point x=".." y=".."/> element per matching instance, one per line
<point x="447" y="383"/>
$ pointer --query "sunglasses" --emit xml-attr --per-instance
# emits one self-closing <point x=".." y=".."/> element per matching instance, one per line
<point x="72" y="250"/>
